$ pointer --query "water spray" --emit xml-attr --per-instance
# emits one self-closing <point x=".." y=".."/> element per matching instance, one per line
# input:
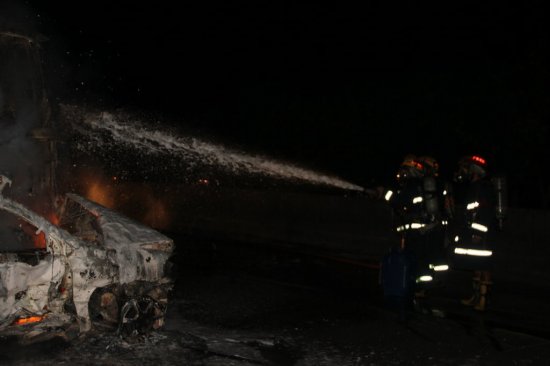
<point x="109" y="130"/>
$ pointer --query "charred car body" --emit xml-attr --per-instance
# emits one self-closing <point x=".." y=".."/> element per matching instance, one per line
<point x="93" y="266"/>
<point x="96" y="267"/>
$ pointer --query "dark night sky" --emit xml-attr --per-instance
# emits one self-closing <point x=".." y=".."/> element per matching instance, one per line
<point x="345" y="89"/>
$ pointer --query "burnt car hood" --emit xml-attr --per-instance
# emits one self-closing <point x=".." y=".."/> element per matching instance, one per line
<point x="141" y="252"/>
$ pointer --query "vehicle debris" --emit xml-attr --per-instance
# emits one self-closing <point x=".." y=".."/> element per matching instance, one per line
<point x="97" y="267"/>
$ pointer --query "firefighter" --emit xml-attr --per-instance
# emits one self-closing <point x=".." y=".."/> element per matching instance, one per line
<point x="438" y="204"/>
<point x="413" y="221"/>
<point x="474" y="224"/>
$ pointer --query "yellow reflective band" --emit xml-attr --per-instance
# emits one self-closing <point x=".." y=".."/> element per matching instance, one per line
<point x="474" y="252"/>
<point x="472" y="205"/>
<point x="414" y="225"/>
<point x="388" y="195"/>
<point x="417" y="199"/>
<point x="480" y="227"/>
<point x="403" y="227"/>
<point x="425" y="278"/>
<point x="441" y="267"/>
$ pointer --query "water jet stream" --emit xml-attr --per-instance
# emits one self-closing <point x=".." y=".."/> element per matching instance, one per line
<point x="105" y="129"/>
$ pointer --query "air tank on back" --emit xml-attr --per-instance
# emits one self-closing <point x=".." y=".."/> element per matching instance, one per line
<point x="501" y="199"/>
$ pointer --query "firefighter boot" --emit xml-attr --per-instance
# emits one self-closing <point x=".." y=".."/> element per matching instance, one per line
<point x="483" y="290"/>
<point x="474" y="299"/>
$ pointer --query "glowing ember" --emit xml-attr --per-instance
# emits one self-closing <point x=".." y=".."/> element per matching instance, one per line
<point x="29" y="320"/>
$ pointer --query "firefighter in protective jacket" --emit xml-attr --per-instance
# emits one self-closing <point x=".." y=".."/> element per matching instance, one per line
<point x="418" y="218"/>
<point x="474" y="225"/>
<point x="439" y="206"/>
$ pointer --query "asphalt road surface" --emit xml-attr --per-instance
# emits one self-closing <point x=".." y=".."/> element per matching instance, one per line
<point x="235" y="305"/>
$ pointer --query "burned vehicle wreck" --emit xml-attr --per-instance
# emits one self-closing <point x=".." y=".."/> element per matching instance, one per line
<point x="92" y="269"/>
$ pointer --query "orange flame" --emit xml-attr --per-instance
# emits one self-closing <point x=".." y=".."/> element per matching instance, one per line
<point x="29" y="320"/>
<point x="138" y="201"/>
<point x="40" y="240"/>
<point x="101" y="193"/>
<point x="53" y="218"/>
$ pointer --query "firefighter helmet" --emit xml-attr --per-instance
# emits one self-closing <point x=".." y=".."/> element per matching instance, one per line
<point x="431" y="166"/>
<point x="411" y="167"/>
<point x="470" y="167"/>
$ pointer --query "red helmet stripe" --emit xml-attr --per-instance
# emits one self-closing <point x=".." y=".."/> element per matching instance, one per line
<point x="479" y="159"/>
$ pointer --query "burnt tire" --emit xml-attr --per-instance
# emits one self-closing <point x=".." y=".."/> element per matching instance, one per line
<point x="141" y="315"/>
<point x="104" y="307"/>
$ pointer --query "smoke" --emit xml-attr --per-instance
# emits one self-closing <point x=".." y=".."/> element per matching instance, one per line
<point x="22" y="158"/>
<point x="17" y="17"/>
<point x="20" y="92"/>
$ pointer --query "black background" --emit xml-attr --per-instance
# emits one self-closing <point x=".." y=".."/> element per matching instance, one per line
<point x="344" y="89"/>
